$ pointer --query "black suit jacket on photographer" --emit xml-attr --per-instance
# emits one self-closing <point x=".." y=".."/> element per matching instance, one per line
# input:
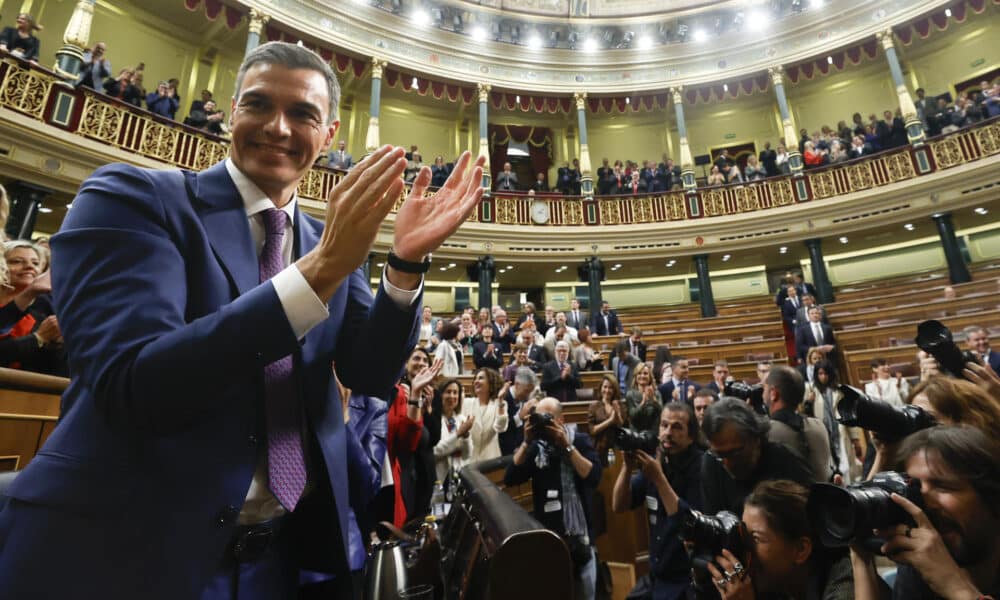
<point x="546" y="484"/>
<point x="668" y="561"/>
<point x="721" y="492"/>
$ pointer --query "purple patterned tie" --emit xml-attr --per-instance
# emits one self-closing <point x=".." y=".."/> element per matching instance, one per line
<point x="286" y="465"/>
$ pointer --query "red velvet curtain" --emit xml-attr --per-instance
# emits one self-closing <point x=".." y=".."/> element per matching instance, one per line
<point x="538" y="139"/>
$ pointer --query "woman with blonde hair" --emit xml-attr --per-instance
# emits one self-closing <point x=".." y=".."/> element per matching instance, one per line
<point x="643" y="401"/>
<point x="33" y="342"/>
<point x="21" y="41"/>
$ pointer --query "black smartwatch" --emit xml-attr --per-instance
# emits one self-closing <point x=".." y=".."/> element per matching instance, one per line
<point x="407" y="266"/>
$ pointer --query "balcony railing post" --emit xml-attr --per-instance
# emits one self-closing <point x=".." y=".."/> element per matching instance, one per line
<point x="914" y="127"/>
<point x="586" y="177"/>
<point x="791" y="139"/>
<point x="687" y="163"/>
<point x="484" y="143"/>
<point x="69" y="58"/>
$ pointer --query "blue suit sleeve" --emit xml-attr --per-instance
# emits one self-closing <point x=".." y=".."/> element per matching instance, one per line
<point x="121" y="287"/>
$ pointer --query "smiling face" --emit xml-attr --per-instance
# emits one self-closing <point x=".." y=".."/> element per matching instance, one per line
<point x="450" y="397"/>
<point x="279" y="126"/>
<point x="480" y="385"/>
<point x="416" y="362"/>
<point x="23" y="265"/>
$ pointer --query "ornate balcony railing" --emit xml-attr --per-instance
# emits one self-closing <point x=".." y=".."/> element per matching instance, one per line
<point x="39" y="94"/>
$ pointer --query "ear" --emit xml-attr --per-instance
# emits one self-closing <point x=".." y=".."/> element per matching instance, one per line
<point x="802" y="550"/>
<point x="331" y="131"/>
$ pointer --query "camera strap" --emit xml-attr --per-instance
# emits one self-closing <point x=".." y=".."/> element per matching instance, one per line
<point x="798" y="424"/>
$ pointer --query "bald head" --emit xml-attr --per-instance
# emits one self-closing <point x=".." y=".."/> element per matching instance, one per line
<point x="550" y="406"/>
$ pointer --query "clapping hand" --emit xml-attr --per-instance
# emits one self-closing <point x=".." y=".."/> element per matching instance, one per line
<point x="425" y="377"/>
<point x="466" y="426"/>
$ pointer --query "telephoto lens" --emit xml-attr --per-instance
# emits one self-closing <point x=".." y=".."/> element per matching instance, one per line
<point x="627" y="440"/>
<point x="889" y="422"/>
<point x="842" y="516"/>
<point x="751" y="394"/>
<point x="709" y="534"/>
<point x="935" y="339"/>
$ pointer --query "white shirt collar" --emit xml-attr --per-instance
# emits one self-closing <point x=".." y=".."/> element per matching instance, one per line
<point x="254" y="200"/>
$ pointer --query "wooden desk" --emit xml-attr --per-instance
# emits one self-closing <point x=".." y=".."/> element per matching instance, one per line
<point x="904" y="332"/>
<point x="29" y="410"/>
<point x="918" y="312"/>
<point x="909" y="297"/>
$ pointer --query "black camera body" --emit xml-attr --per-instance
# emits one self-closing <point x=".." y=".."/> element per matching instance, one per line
<point x="628" y="440"/>
<point x="891" y="423"/>
<point x="935" y="339"/>
<point x="709" y="534"/>
<point x="751" y="394"/>
<point x="842" y="516"/>
<point x="540" y="421"/>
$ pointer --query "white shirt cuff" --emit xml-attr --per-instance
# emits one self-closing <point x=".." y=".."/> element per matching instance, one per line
<point x="303" y="308"/>
<point x="404" y="299"/>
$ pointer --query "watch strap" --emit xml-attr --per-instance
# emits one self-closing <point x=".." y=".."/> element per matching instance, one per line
<point x="407" y="266"/>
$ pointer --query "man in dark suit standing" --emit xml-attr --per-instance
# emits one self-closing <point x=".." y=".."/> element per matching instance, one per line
<point x="560" y="377"/>
<point x="540" y="185"/>
<point x="809" y="301"/>
<point x="576" y="317"/>
<point x="603" y="172"/>
<point x="977" y="339"/>
<point x="636" y="346"/>
<point x="201" y="315"/>
<point x="340" y="158"/>
<point x="813" y="334"/>
<point x="790" y="307"/>
<point x="528" y="313"/>
<point x="506" y="180"/>
<point x="680" y="387"/>
<point x="769" y="159"/>
<point x="623" y="365"/>
<point x="636" y="185"/>
<point x="605" y="322"/>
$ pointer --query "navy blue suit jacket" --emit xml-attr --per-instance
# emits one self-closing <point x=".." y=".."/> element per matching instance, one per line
<point x="136" y="492"/>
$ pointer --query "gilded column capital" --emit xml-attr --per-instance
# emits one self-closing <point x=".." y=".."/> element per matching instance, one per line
<point x="484" y="91"/>
<point x="77" y="32"/>
<point x="675" y="93"/>
<point x="886" y="38"/>
<point x="777" y="74"/>
<point x="580" y="98"/>
<point x="378" y="64"/>
<point x="258" y="20"/>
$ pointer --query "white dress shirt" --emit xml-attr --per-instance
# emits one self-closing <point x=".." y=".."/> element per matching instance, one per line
<point x="303" y="309"/>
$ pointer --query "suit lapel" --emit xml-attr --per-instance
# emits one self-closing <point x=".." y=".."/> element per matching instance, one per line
<point x="224" y="217"/>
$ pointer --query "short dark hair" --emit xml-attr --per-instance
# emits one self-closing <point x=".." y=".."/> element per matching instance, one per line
<point x="789" y="384"/>
<point x="967" y="451"/>
<point x="783" y="503"/>
<point x="292" y="56"/>
<point x="707" y="392"/>
<point x="449" y="330"/>
<point x="439" y="396"/>
<point x="692" y="420"/>
<point x="878" y="362"/>
<point x="735" y="411"/>
<point x="421" y="350"/>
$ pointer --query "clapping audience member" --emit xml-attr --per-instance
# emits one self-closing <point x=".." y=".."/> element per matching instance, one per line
<point x="20" y="40"/>
<point x="885" y="386"/>
<point x="406" y="427"/>
<point x="485" y="353"/>
<point x="754" y="171"/>
<point x="585" y="357"/>
<point x="562" y="464"/>
<point x="448" y="351"/>
<point x="643" y="400"/>
<point x="439" y="172"/>
<point x="679" y="387"/>
<point x="342" y="159"/>
<point x="952" y="552"/>
<point x="413" y="166"/>
<point x="715" y="177"/>
<point x="668" y="485"/>
<point x="506" y="180"/>
<point x="520" y="402"/>
<point x="30" y="338"/>
<point x="503" y="333"/>
<point x="781" y="159"/>
<point x="489" y="408"/>
<point x="807" y="368"/>
<point x="123" y="88"/>
<point x="785" y="558"/>
<point x="740" y="456"/>
<point x="605" y="415"/>
<point x="454" y="448"/>
<point x="206" y="95"/>
<point x="977" y="339"/>
<point x="95" y="68"/>
<point x="720" y="374"/>
<point x="560" y="377"/>
<point x="162" y="102"/>
<point x="623" y="366"/>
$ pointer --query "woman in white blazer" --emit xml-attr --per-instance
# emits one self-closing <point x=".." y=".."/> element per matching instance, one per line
<point x="453" y="450"/>
<point x="821" y="399"/>
<point x="489" y="409"/>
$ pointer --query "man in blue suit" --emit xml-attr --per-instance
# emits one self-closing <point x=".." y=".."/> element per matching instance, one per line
<point x="202" y="451"/>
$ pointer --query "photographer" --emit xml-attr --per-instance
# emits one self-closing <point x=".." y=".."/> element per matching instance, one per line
<point x="740" y="456"/>
<point x="564" y="471"/>
<point x="666" y="484"/>
<point x="785" y="557"/>
<point x="953" y="552"/>
<point x="805" y="436"/>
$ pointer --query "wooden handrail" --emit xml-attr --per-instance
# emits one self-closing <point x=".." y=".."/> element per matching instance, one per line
<point x="27" y="381"/>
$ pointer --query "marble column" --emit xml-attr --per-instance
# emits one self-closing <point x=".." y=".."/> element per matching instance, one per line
<point x="957" y="269"/>
<point x="914" y="127"/>
<point x="486" y="271"/>
<point x="375" y="105"/>
<point x="704" y="286"/>
<point x="69" y="58"/>
<point x="257" y="22"/>
<point x="791" y="138"/>
<point x="586" y="175"/>
<point x="484" y="142"/>
<point x="595" y="275"/>
<point x="824" y="289"/>
<point x="686" y="162"/>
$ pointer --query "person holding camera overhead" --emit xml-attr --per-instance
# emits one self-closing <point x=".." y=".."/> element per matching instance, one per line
<point x="950" y="549"/>
<point x="562" y="465"/>
<point x="668" y="483"/>
<point x="784" y="558"/>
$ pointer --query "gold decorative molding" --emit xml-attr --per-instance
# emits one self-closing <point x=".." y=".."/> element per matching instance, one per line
<point x="257" y="21"/>
<point x="77" y="31"/>
<point x="378" y="65"/>
<point x="580" y="98"/>
<point x="484" y="92"/>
